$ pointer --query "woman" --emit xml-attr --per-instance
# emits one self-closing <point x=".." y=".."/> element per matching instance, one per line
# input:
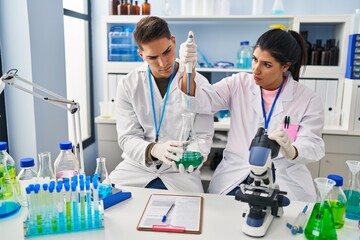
<point x="263" y="99"/>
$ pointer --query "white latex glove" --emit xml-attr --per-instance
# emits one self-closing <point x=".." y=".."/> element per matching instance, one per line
<point x="165" y="151"/>
<point x="188" y="51"/>
<point x="283" y="139"/>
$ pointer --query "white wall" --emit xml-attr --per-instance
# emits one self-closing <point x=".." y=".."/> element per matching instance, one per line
<point x="31" y="37"/>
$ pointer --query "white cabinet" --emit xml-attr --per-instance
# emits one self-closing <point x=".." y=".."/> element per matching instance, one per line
<point x="218" y="39"/>
<point x="108" y="146"/>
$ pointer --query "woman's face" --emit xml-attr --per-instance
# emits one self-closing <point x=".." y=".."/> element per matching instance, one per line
<point x="268" y="73"/>
<point x="160" y="54"/>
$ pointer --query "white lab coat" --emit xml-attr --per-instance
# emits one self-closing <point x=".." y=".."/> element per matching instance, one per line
<point x="242" y="97"/>
<point x="136" y="129"/>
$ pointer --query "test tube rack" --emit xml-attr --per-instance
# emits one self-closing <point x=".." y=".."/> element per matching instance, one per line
<point x="65" y="210"/>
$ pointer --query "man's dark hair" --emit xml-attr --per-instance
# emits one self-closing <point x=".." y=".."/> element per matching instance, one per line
<point x="150" y="28"/>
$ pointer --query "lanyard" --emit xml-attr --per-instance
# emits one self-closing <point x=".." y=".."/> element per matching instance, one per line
<point x="267" y="120"/>
<point x="157" y="128"/>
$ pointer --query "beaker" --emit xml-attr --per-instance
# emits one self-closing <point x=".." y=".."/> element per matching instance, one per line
<point x="46" y="173"/>
<point x="353" y="191"/>
<point x="321" y="222"/>
<point x="192" y="154"/>
<point x="9" y="188"/>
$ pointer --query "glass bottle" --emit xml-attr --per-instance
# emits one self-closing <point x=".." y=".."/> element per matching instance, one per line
<point x="26" y="176"/>
<point x="334" y="53"/>
<point x="46" y="172"/>
<point x="337" y="201"/>
<point x="325" y="55"/>
<point x="166" y="9"/>
<point x="257" y="7"/>
<point x="113" y="4"/>
<point x="316" y="53"/>
<point x="308" y="47"/>
<point x="131" y="8"/>
<point x="9" y="201"/>
<point x="353" y="191"/>
<point x="105" y="187"/>
<point x="145" y="8"/>
<point x="192" y="154"/>
<point x="137" y="8"/>
<point x="66" y="164"/>
<point x="321" y="222"/>
<point x="123" y="8"/>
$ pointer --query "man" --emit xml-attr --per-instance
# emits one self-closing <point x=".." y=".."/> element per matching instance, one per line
<point x="148" y="116"/>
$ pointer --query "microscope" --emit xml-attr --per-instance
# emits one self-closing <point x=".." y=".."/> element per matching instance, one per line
<point x="261" y="193"/>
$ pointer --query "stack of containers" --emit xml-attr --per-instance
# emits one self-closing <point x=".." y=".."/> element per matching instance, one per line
<point x="121" y="44"/>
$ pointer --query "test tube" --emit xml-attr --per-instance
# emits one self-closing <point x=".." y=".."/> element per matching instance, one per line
<point x="88" y="202"/>
<point x="38" y="210"/>
<point x="60" y="206"/>
<point x="96" y="201"/>
<point x="75" y="204"/>
<point x="31" y="210"/>
<point x="82" y="202"/>
<point x="67" y="205"/>
<point x="45" y="207"/>
<point x="53" y="208"/>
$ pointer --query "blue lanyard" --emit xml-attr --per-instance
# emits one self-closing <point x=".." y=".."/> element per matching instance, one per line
<point x="267" y="120"/>
<point x="157" y="128"/>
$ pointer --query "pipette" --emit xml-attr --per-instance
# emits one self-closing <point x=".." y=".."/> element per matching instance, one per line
<point x="299" y="223"/>
<point x="189" y="66"/>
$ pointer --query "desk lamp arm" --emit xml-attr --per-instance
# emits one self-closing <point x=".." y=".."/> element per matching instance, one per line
<point x="10" y="78"/>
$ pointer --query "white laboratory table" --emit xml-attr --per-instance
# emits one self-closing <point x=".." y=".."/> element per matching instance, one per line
<point x="222" y="219"/>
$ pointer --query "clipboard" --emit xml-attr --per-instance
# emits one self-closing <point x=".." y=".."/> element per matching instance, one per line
<point x="184" y="217"/>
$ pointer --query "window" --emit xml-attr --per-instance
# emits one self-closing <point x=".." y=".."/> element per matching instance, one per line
<point x="3" y="126"/>
<point x="79" y="86"/>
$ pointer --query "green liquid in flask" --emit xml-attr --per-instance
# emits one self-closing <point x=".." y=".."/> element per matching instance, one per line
<point x="190" y="158"/>
<point x="321" y="223"/>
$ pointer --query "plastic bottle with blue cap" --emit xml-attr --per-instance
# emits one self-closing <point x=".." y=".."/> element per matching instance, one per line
<point x="66" y="164"/>
<point x="244" y="56"/>
<point x="338" y="201"/>
<point x="26" y="176"/>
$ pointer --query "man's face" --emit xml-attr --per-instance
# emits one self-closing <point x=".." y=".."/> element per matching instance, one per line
<point x="160" y="54"/>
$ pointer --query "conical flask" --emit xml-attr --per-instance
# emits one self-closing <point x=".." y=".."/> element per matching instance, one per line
<point x="192" y="154"/>
<point x="9" y="201"/>
<point x="105" y="187"/>
<point x="46" y="173"/>
<point x="321" y="224"/>
<point x="353" y="191"/>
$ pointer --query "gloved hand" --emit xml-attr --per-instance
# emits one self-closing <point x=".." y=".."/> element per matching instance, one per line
<point x="165" y="151"/>
<point x="283" y="139"/>
<point x="188" y="51"/>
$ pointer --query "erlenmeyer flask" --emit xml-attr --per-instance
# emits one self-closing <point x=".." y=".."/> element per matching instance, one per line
<point x="192" y="155"/>
<point x="105" y="187"/>
<point x="46" y="173"/>
<point x="321" y="224"/>
<point x="353" y="191"/>
<point x="9" y="201"/>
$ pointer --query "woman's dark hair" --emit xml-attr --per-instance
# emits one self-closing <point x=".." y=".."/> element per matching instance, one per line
<point x="285" y="46"/>
<point x="150" y="28"/>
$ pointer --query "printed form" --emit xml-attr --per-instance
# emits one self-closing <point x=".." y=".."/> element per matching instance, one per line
<point x="180" y="211"/>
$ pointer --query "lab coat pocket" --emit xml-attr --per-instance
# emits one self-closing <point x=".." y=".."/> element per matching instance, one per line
<point x="292" y="130"/>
